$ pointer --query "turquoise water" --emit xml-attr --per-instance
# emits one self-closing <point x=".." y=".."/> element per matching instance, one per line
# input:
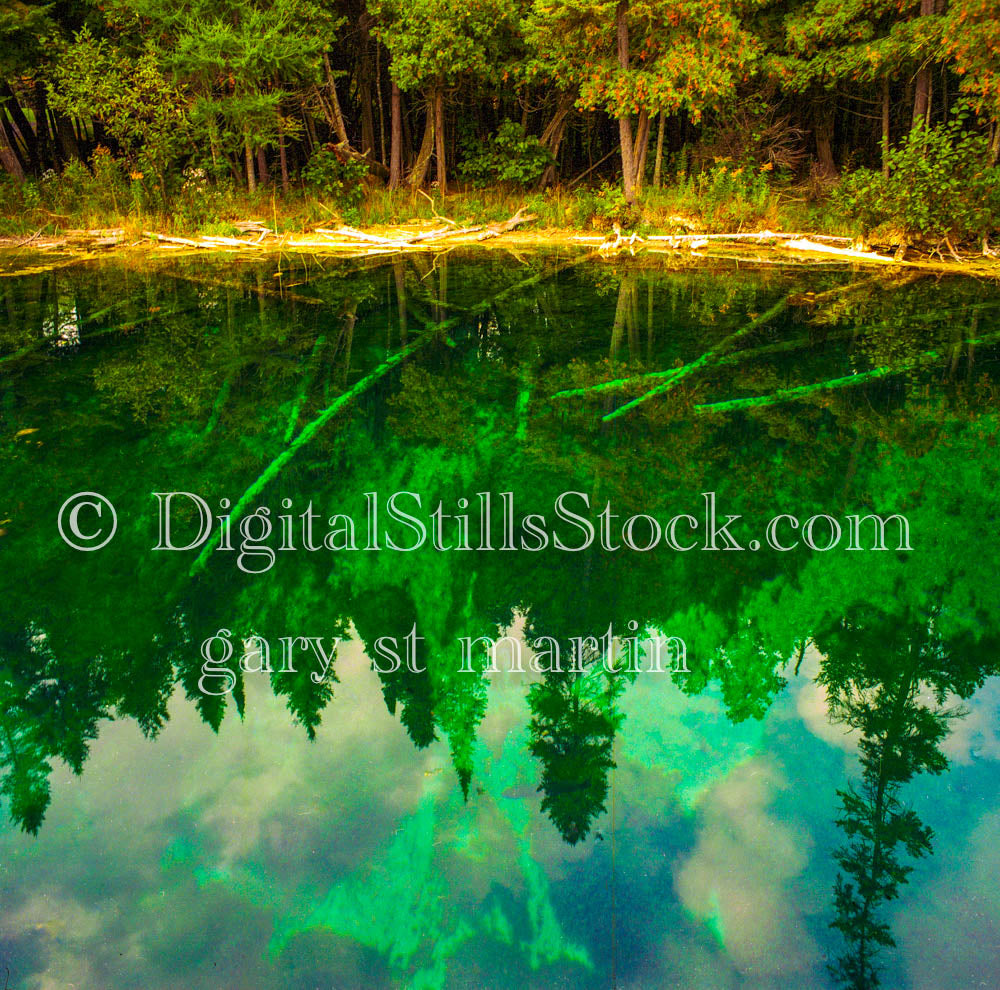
<point x="805" y="797"/>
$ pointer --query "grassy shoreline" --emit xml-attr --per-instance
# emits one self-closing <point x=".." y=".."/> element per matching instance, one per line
<point x="729" y="200"/>
<point x="224" y="221"/>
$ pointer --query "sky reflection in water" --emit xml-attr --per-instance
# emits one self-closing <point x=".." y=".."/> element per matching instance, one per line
<point x="447" y="830"/>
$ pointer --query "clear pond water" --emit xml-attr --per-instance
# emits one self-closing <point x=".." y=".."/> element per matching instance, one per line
<point x="806" y="796"/>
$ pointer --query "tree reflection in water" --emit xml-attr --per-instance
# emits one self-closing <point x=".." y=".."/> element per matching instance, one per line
<point x="197" y="380"/>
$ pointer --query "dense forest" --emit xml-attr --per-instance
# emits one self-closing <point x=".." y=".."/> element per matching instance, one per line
<point x="892" y="105"/>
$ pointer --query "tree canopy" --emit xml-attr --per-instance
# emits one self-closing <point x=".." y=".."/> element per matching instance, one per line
<point x="247" y="90"/>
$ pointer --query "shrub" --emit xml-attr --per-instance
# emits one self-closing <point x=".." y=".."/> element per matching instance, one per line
<point x="940" y="186"/>
<point x="81" y="192"/>
<point x="733" y="196"/>
<point x="338" y="180"/>
<point x="582" y="207"/>
<point x="110" y="179"/>
<point x="219" y="228"/>
<point x="611" y="207"/>
<point x="509" y="156"/>
<point x="723" y="197"/>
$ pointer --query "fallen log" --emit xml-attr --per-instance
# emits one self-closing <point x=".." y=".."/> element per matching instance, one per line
<point x="710" y="357"/>
<point x="761" y="235"/>
<point x="345" y="153"/>
<point x="734" y="357"/>
<point x="496" y="229"/>
<point x="431" y="331"/>
<point x="228" y="241"/>
<point x="360" y="235"/>
<point x="185" y="241"/>
<point x="437" y="234"/>
<point x="797" y="391"/>
<point x="803" y="244"/>
<point x="618" y="243"/>
<point x="252" y="227"/>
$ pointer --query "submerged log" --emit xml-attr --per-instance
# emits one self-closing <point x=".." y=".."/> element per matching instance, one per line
<point x="710" y="357"/>
<point x="431" y="332"/>
<point x="859" y="378"/>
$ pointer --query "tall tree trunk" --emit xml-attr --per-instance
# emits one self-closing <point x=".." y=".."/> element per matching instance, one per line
<point x="921" y="97"/>
<point x="823" y="130"/>
<point x="262" y="170"/>
<point x="640" y="151"/>
<point x="885" y="127"/>
<point x="624" y="124"/>
<point x="10" y="154"/>
<point x="395" y="139"/>
<point x="67" y="137"/>
<point x="409" y="149"/>
<point x="367" y="121"/>
<point x="381" y="106"/>
<point x="658" y="163"/>
<point x="419" y="171"/>
<point x="248" y="156"/>
<point x="331" y="90"/>
<point x="22" y="128"/>
<point x="552" y="137"/>
<point x="283" y="161"/>
<point x="364" y="77"/>
<point x="41" y="108"/>
<point x="312" y="140"/>
<point x="439" y="141"/>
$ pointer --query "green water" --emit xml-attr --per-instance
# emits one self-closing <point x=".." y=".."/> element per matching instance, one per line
<point x="807" y="798"/>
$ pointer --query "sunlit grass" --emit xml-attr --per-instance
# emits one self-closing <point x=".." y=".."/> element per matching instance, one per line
<point x="718" y="200"/>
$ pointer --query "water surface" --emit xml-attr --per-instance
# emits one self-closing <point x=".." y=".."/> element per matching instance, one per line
<point x="812" y="802"/>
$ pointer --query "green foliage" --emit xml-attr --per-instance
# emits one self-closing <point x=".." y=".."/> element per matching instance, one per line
<point x="972" y="39"/>
<point x="508" y="156"/>
<point x="133" y="97"/>
<point x="723" y="197"/>
<point x="200" y="203"/>
<point x="744" y="193"/>
<point x="236" y="62"/>
<point x="940" y="185"/>
<point x="611" y="207"/>
<point x="436" y="42"/>
<point x="79" y="192"/>
<point x="219" y="228"/>
<point x="340" y="181"/>
<point x="26" y="32"/>
<point x="686" y="55"/>
<point x="831" y="41"/>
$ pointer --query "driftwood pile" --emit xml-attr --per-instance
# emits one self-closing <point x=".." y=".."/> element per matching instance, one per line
<point x="657" y="243"/>
<point x="764" y="247"/>
<point x="818" y="246"/>
<point x="379" y="243"/>
<point x="349" y="238"/>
